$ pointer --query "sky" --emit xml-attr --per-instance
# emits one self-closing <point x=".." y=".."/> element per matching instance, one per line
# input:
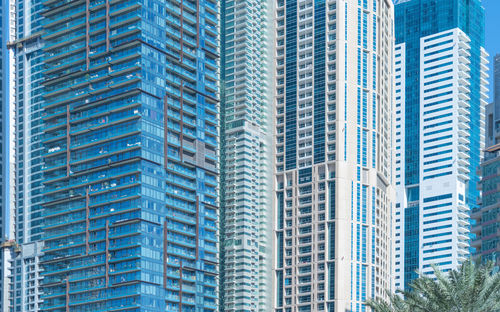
<point x="492" y="10"/>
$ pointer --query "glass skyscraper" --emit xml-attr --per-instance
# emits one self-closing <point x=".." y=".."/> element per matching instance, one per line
<point x="3" y="104"/>
<point x="131" y="155"/>
<point x="4" y="97"/>
<point x="440" y="97"/>
<point x="486" y="241"/>
<point x="496" y="82"/>
<point x="334" y="189"/>
<point x="28" y="51"/>
<point x="6" y="121"/>
<point x="493" y="109"/>
<point x="7" y="165"/>
<point x="28" y="54"/>
<point x="245" y="157"/>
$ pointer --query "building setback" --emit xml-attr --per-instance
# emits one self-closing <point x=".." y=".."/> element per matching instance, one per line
<point x="131" y="147"/>
<point x="245" y="157"/>
<point x="440" y="97"/>
<point x="334" y="187"/>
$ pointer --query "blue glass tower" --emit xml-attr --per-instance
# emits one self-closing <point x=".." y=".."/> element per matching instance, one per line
<point x="440" y="66"/>
<point x="131" y="147"/>
<point x="486" y="241"/>
<point x="4" y="121"/>
<point x="496" y="86"/>
<point x="6" y="230"/>
<point x="27" y="49"/>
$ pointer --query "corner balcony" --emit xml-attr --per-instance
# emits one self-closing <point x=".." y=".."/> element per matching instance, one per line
<point x="463" y="222"/>
<point x="464" y="140"/>
<point x="463" y="229"/>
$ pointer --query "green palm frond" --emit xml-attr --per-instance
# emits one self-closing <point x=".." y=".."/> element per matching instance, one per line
<point x="471" y="288"/>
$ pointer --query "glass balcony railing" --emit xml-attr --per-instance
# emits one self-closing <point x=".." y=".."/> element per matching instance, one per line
<point x="72" y="217"/>
<point x="64" y="243"/>
<point x="63" y="208"/>
<point x="71" y="96"/>
<point x="191" y="18"/>
<point x="211" y="6"/>
<point x="97" y="27"/>
<point x="190" y="5"/>
<point x="67" y="71"/>
<point x="181" y="228"/>
<point x="97" y="14"/>
<point x="189" y="28"/>
<point x="96" y="3"/>
<point x="63" y="62"/>
<point x="71" y="13"/>
<point x="124" y="17"/>
<point x="122" y="5"/>
<point x="115" y="195"/>
<point x="53" y="54"/>
<point x="97" y="110"/>
<point x="60" y="233"/>
<point x="130" y="172"/>
<point x="64" y="26"/>
<point x="54" y="112"/>
<point x="124" y="30"/>
<point x="66" y="39"/>
<point x="184" y="217"/>
<point x="181" y="239"/>
<point x="173" y="20"/>
<point x="56" y="135"/>
<point x="104" y="134"/>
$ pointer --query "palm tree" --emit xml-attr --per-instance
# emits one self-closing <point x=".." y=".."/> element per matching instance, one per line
<point x="471" y="288"/>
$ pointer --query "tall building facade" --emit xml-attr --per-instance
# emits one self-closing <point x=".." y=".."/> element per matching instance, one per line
<point x="245" y="161"/>
<point x="496" y="82"/>
<point x="493" y="109"/>
<point x="7" y="162"/>
<point x="25" y="277"/>
<point x="29" y="66"/>
<point x="440" y="96"/>
<point x="131" y="120"/>
<point x="7" y="115"/>
<point x="487" y="225"/>
<point x="334" y="187"/>
<point x="4" y="118"/>
<point x="28" y="100"/>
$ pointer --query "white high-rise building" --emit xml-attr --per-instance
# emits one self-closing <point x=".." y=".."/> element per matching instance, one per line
<point x="245" y="282"/>
<point x="440" y="97"/>
<point x="334" y="187"/>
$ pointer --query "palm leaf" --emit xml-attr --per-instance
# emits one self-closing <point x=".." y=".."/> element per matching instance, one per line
<point x="471" y="288"/>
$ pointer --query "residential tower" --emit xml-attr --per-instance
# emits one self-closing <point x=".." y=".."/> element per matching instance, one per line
<point x="131" y="120"/>
<point x="246" y="171"/>
<point x="333" y="183"/>
<point x="440" y="96"/>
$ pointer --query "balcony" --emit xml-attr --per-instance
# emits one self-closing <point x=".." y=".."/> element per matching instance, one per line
<point x="61" y="13"/>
